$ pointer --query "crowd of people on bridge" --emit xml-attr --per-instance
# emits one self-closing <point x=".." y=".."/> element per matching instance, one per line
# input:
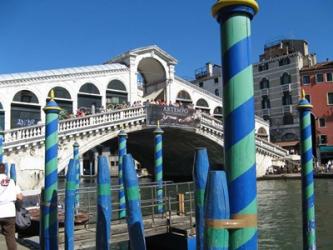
<point x="84" y="111"/>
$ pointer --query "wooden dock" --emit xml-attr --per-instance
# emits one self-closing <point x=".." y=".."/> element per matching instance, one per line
<point x="85" y="235"/>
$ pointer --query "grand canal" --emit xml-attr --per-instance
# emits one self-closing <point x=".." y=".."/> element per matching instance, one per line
<point x="280" y="214"/>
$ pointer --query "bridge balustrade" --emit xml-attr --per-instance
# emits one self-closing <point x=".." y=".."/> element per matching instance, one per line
<point x="34" y="134"/>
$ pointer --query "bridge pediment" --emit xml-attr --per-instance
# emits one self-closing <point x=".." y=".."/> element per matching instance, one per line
<point x="149" y="51"/>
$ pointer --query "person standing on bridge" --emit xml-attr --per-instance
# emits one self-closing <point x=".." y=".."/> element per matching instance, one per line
<point x="9" y="193"/>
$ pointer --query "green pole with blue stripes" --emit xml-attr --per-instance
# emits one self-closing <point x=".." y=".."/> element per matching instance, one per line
<point x="50" y="198"/>
<point x="122" y="150"/>
<point x="239" y="120"/>
<point x="308" y="203"/>
<point x="159" y="167"/>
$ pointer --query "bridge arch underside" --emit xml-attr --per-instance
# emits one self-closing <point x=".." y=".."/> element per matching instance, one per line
<point x="178" y="148"/>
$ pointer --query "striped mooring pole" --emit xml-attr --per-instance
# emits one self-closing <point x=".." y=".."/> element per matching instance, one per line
<point x="69" y="205"/>
<point x="308" y="202"/>
<point x="133" y="205"/>
<point x="158" y="155"/>
<point x="49" y="204"/>
<point x="200" y="172"/>
<point x="76" y="158"/>
<point x="239" y="124"/>
<point x="122" y="150"/>
<point x="12" y="172"/>
<point x="216" y="211"/>
<point x="1" y="147"/>
<point x="104" y="206"/>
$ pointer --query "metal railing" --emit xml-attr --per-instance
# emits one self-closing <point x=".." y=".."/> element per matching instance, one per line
<point x="149" y="203"/>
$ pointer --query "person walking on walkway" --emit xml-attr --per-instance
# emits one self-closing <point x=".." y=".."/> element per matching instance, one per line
<point x="9" y="192"/>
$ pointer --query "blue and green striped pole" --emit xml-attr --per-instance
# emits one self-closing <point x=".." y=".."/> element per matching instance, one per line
<point x="133" y="205"/>
<point x="216" y="212"/>
<point x="77" y="171"/>
<point x="159" y="167"/>
<point x="122" y="136"/>
<point x="104" y="206"/>
<point x="238" y="105"/>
<point x="50" y="198"/>
<point x="308" y="196"/>
<point x="13" y="172"/>
<point x="1" y="147"/>
<point x="200" y="172"/>
<point x="69" y="205"/>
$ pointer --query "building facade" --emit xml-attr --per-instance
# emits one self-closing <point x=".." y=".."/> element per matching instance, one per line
<point x="277" y="88"/>
<point x="209" y="78"/>
<point x="317" y="82"/>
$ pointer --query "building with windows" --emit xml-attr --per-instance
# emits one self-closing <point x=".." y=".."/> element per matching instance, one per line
<point x="317" y="81"/>
<point x="209" y="78"/>
<point x="277" y="88"/>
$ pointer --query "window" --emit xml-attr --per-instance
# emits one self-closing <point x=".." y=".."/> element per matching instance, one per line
<point x="284" y="61"/>
<point x="288" y="119"/>
<point x="264" y="84"/>
<point x="217" y="92"/>
<point x="330" y="98"/>
<point x="263" y="67"/>
<point x="319" y="78"/>
<point x="287" y="98"/>
<point x="306" y="80"/>
<point x="201" y="84"/>
<point x="322" y="122"/>
<point x="216" y="80"/>
<point x="265" y="102"/>
<point x="285" y="78"/>
<point x="329" y="77"/>
<point x="308" y="97"/>
<point x="322" y="139"/>
<point x="266" y="117"/>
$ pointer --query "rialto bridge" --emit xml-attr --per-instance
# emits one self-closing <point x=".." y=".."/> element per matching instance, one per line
<point x="138" y="75"/>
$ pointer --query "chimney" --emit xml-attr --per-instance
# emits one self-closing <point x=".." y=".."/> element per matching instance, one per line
<point x="209" y="68"/>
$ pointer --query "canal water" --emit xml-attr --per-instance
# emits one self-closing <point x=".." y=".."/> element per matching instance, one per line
<point x="280" y="214"/>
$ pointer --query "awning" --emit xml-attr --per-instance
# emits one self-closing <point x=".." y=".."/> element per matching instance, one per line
<point x="287" y="143"/>
<point x="326" y="149"/>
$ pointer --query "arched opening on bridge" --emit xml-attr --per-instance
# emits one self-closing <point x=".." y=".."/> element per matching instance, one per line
<point x="218" y="113"/>
<point x="116" y="93"/>
<point x="25" y="109"/>
<point x="262" y="133"/>
<point x="184" y="98"/>
<point x="151" y="79"/>
<point x="62" y="98"/>
<point x="89" y="98"/>
<point x="2" y="118"/>
<point x="202" y="105"/>
<point x="178" y="148"/>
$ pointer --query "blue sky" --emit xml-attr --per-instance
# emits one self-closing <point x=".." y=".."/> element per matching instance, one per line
<point x="46" y="34"/>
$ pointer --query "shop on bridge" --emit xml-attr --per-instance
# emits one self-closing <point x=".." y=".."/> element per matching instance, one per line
<point x="116" y="93"/>
<point x="25" y="109"/>
<point x="63" y="99"/>
<point x="88" y="97"/>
